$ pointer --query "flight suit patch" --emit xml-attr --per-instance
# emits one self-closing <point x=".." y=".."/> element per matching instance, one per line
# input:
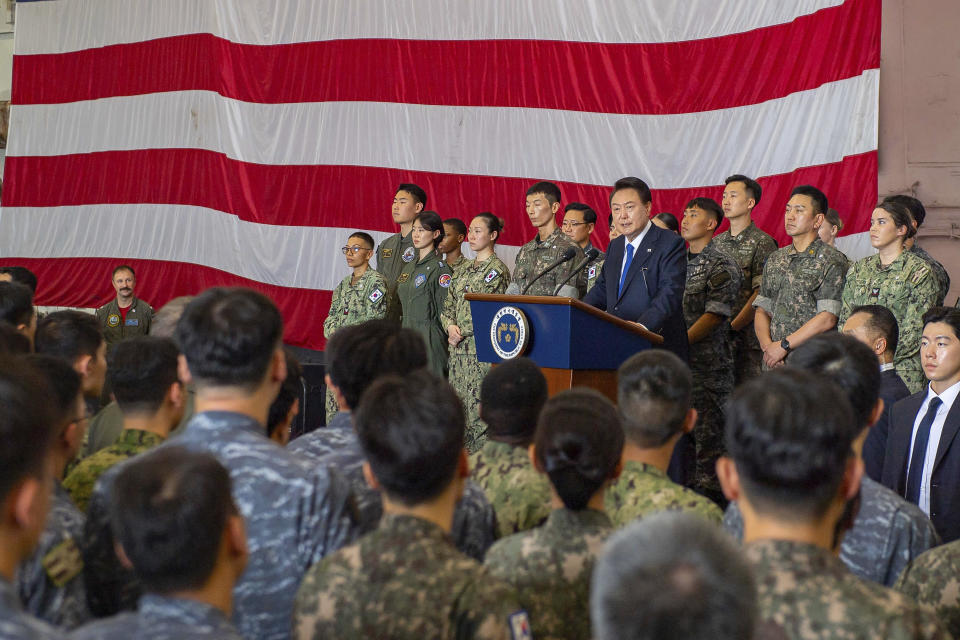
<point x="63" y="563"/>
<point x="408" y="254"/>
<point x="403" y="277"/>
<point x="419" y="280"/>
<point x="875" y="292"/>
<point x="388" y="253"/>
<point x="445" y="280"/>
<point x="719" y="279"/>
<point x="113" y="320"/>
<point x="132" y="322"/>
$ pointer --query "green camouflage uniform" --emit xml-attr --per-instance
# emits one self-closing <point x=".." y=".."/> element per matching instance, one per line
<point x="393" y="254"/>
<point x="642" y="490"/>
<point x="422" y="290"/>
<point x="106" y="426"/>
<point x="811" y="595"/>
<point x="115" y="329"/>
<point x="518" y="493"/>
<point x="589" y="275"/>
<point x="713" y="281"/>
<point x="537" y="255"/>
<point x="466" y="372"/>
<point x="405" y="581"/>
<point x="79" y="484"/>
<point x="354" y="304"/>
<point x="907" y="288"/>
<point x="750" y="248"/>
<point x="939" y="273"/>
<point x="550" y="567"/>
<point x="459" y="266"/>
<point x="933" y="580"/>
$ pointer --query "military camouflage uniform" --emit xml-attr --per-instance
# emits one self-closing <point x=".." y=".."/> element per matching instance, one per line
<point x="907" y="288"/>
<point x="939" y="273"/>
<point x="422" y="289"/>
<point x="79" y="484"/>
<point x="295" y="513"/>
<point x="933" y="580"/>
<point x="750" y="248"/>
<point x="466" y="372"/>
<point x="887" y="534"/>
<point x="589" y="275"/>
<point x="106" y="426"/>
<point x="338" y="447"/>
<point x="354" y="304"/>
<point x="537" y="255"/>
<point x="393" y="254"/>
<point x="812" y="596"/>
<point x="17" y="624"/>
<point x="458" y="267"/>
<point x="550" y="567"/>
<point x="115" y="329"/>
<point x="50" y="582"/>
<point x="405" y="581"/>
<point x="642" y="490"/>
<point x="519" y="494"/>
<point x="162" y="618"/>
<point x="713" y="280"/>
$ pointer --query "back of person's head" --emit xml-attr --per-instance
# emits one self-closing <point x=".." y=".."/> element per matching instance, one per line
<point x="820" y="204"/>
<point x="228" y="337"/>
<point x="164" y="323"/>
<point x="751" y="186"/>
<point x="672" y="575"/>
<point x="358" y="354"/>
<point x="654" y="394"/>
<point x="16" y="304"/>
<point x="709" y="205"/>
<point x="917" y="211"/>
<point x="848" y="365"/>
<point x="511" y="397"/>
<point x="789" y="433"/>
<point x="548" y="189"/>
<point x="832" y="218"/>
<point x="880" y="323"/>
<point x="638" y="185"/>
<point x="22" y="275"/>
<point x="669" y="221"/>
<point x="27" y="426"/>
<point x="411" y="429"/>
<point x="140" y="371"/>
<point x="578" y="444"/>
<point x="63" y="384"/>
<point x="290" y="391"/>
<point x="947" y="315"/>
<point x="69" y="335"/>
<point x="168" y="511"/>
<point x="589" y="215"/>
<point x="12" y="342"/>
<point x="418" y="194"/>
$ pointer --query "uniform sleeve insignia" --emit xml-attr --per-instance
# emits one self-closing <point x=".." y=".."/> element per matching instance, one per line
<point x="592" y="272"/>
<point x="420" y="279"/>
<point x="63" y="563"/>
<point x="113" y="320"/>
<point x="490" y="276"/>
<point x="408" y="254"/>
<point x="919" y="275"/>
<point x="388" y="253"/>
<point x="519" y="626"/>
<point x="376" y="295"/>
<point x="445" y="280"/>
<point x="719" y="279"/>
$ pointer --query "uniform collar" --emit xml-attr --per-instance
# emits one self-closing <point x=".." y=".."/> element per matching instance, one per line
<point x="139" y="437"/>
<point x="192" y="612"/>
<point x="794" y="557"/>
<point x="412" y="528"/>
<point x="583" y="519"/>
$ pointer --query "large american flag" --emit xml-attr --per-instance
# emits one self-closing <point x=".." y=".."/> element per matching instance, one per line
<point x="240" y="141"/>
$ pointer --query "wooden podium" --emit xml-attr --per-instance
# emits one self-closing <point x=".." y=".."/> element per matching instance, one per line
<point x="574" y="344"/>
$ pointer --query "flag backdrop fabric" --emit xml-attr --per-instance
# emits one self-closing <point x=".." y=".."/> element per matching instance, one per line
<point x="239" y="142"/>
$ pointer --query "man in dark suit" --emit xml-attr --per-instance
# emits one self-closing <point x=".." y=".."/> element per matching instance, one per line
<point x="643" y="277"/>
<point x="922" y="460"/>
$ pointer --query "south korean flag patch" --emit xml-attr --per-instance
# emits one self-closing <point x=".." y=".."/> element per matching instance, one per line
<point x="519" y="626"/>
<point x="408" y="254"/>
<point x="592" y="272"/>
<point x="490" y="276"/>
<point x="376" y="295"/>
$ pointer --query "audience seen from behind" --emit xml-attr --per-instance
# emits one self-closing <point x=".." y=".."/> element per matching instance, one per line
<point x="16" y="308"/>
<point x="75" y="337"/>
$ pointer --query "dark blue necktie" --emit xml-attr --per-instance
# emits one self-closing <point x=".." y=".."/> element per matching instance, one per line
<point x="626" y="267"/>
<point x="915" y="473"/>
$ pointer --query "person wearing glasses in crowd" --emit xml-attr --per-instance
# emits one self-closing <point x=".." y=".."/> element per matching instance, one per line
<point x="579" y="221"/>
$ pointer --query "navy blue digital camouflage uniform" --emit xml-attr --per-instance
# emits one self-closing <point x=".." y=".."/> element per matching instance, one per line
<point x="162" y="618"/>
<point x="17" y="624"/>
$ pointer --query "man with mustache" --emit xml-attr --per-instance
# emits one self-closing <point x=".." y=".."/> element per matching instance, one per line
<point x="126" y="315"/>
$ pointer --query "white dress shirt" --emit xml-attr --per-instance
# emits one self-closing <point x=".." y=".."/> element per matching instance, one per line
<point x="936" y="429"/>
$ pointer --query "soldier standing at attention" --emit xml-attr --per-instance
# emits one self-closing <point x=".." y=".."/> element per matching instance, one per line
<point x="454" y="233"/>
<point x="802" y="283"/>
<point x="919" y="213"/>
<point x="709" y="300"/>
<point x="422" y="289"/>
<point x="543" y="203"/>
<point x="898" y="280"/>
<point x="397" y="251"/>
<point x="125" y="315"/>
<point x="579" y="221"/>
<point x="486" y="274"/>
<point x="359" y="297"/>
<point x="750" y="247"/>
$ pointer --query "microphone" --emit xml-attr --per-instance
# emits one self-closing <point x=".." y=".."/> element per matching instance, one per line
<point x="591" y="254"/>
<point x="568" y="255"/>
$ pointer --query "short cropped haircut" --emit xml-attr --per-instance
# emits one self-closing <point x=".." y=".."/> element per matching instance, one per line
<point x="12" y="342"/>
<point x="27" y="427"/>
<point x="16" y="303"/>
<point x="882" y="322"/>
<point x="819" y="199"/>
<point x="358" y="354"/>
<point x="228" y="336"/>
<point x="550" y="190"/>
<point x="140" y="371"/>
<point x="670" y="220"/>
<point x="289" y="392"/>
<point x="636" y="184"/>
<point x="917" y="211"/>
<point x="22" y="275"/>
<point x="411" y="430"/>
<point x="164" y="323"/>
<point x="833" y="219"/>
<point x="364" y="237"/>
<point x="654" y="394"/>
<point x="589" y="215"/>
<point x="431" y="221"/>
<point x="69" y="335"/>
<point x="418" y="194"/>
<point x="751" y="186"/>
<point x="672" y="575"/>
<point x="578" y="443"/>
<point x="709" y="205"/>
<point x="168" y="511"/>
<point x="900" y="215"/>
<point x="63" y="384"/>
<point x="789" y="433"/>
<point x="511" y="397"/>
<point x="458" y="225"/>
<point x="948" y="315"/>
<point x="123" y="267"/>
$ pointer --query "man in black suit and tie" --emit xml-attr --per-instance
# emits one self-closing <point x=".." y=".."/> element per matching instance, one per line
<point x="643" y="277"/>
<point x="922" y="460"/>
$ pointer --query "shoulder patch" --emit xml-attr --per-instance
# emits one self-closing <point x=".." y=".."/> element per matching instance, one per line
<point x="376" y="295"/>
<point x="113" y="320"/>
<point x="419" y="280"/>
<point x="592" y="272"/>
<point x="920" y="274"/>
<point x="445" y="280"/>
<point x="63" y="563"/>
<point x="719" y="279"/>
<point x="519" y="626"/>
<point x="408" y="254"/>
<point x="491" y="275"/>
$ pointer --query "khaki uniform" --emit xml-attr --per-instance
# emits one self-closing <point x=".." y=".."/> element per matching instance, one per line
<point x="519" y="494"/>
<point x="537" y="255"/>
<point x="642" y="490"/>
<point x="393" y="254"/>
<point x="115" y="329"/>
<point x="81" y="481"/>
<point x="422" y="289"/>
<point x="933" y="580"/>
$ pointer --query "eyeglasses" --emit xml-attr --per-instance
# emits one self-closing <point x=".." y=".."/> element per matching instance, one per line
<point x="355" y="250"/>
<point x="572" y="225"/>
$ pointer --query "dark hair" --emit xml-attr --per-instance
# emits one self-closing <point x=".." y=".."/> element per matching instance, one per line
<point x="790" y="434"/>
<point x="69" y="335"/>
<point x="418" y="194"/>
<point x="365" y="237"/>
<point x="948" y="315"/>
<point x="751" y="186"/>
<point x="654" y="394"/>
<point x="411" y="430"/>
<point x="228" y="336"/>
<point x="636" y="184"/>
<point x="63" y="384"/>
<point x="431" y="221"/>
<point x="589" y="215"/>
<point x="12" y="342"/>
<point x="882" y="321"/>
<point x="900" y="215"/>
<point x="709" y="205"/>
<point x="289" y="392"/>
<point x="670" y="220"/>
<point x="358" y="354"/>
<point x="833" y="219"/>
<point x="458" y="225"/>
<point x="548" y="189"/>
<point x="140" y="371"/>
<point x="917" y="211"/>
<point x="848" y="365"/>
<point x="16" y="303"/>
<point x="27" y="428"/>
<point x="819" y="199"/>
<point x="168" y="511"/>
<point x="610" y="220"/>
<point x="578" y="443"/>
<point x="123" y="267"/>
<point x="511" y="397"/>
<point x="493" y="223"/>
<point x="22" y="275"/>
